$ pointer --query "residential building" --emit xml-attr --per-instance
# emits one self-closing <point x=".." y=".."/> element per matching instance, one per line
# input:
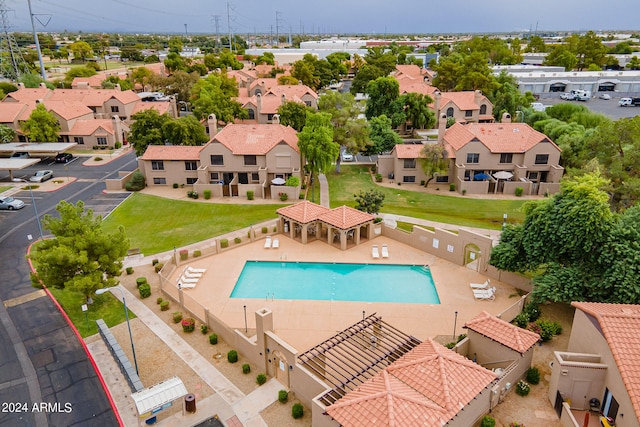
<point x="599" y="370"/>
<point x="464" y="107"/>
<point x="262" y="101"/>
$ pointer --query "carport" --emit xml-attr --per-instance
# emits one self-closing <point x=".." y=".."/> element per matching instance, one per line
<point x="16" y="164"/>
<point x="35" y="150"/>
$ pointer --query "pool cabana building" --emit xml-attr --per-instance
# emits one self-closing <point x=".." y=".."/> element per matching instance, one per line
<point x="341" y="227"/>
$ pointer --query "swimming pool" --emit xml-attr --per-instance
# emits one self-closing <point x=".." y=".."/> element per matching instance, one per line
<point x="338" y="282"/>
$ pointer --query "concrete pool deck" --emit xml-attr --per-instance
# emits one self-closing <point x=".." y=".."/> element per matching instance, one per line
<point x="304" y="324"/>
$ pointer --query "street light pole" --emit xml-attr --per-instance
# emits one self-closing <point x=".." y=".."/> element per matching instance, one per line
<point x="245" y="319"/>
<point x="33" y="200"/>
<point x="126" y="314"/>
<point x="455" y="321"/>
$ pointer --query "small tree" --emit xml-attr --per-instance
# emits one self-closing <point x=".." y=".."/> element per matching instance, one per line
<point x="41" y="126"/>
<point x="369" y="201"/>
<point x="136" y="183"/>
<point x="433" y="161"/>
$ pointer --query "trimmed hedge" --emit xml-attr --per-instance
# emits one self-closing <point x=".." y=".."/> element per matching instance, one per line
<point x="297" y="410"/>
<point x="145" y="290"/>
<point x="213" y="339"/>
<point x="232" y="356"/>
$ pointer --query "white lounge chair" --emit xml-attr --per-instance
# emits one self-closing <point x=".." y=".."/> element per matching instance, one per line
<point x="182" y="285"/>
<point x="485" y="294"/>
<point x="275" y="244"/>
<point x="183" y="279"/>
<point x="267" y="242"/>
<point x="195" y="270"/>
<point x="374" y="252"/>
<point x="189" y="275"/>
<point x="385" y="251"/>
<point x="484" y="285"/>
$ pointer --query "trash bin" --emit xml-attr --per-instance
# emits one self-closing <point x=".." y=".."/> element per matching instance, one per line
<point x="190" y="403"/>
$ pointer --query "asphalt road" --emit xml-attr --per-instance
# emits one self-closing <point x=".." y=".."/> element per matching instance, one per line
<point x="608" y="107"/>
<point x="46" y="378"/>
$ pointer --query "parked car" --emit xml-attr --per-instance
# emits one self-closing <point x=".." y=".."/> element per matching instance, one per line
<point x="568" y="96"/>
<point x="20" y="155"/>
<point x="604" y="96"/>
<point x="41" y="176"/>
<point x="64" y="158"/>
<point x="538" y="106"/>
<point x="10" y="203"/>
<point x="347" y="157"/>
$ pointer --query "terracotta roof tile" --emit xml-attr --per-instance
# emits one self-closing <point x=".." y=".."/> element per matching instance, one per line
<point x="303" y="212"/>
<point x="257" y="139"/>
<point x="505" y="333"/>
<point x="345" y="217"/>
<point x="89" y="127"/>
<point x="465" y="100"/>
<point x="408" y="151"/>
<point x="270" y="104"/>
<point x="172" y="152"/>
<point x="160" y="106"/>
<point x="29" y="94"/>
<point x="426" y="387"/>
<point x="497" y="137"/>
<point x="289" y="91"/>
<point x="68" y="109"/>
<point x="620" y="324"/>
<point x="10" y="111"/>
<point x="265" y="83"/>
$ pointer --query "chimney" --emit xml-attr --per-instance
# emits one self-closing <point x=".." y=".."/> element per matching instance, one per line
<point x="174" y="107"/>
<point x="442" y="128"/>
<point x="283" y="98"/>
<point x="42" y="85"/>
<point x="117" y="87"/>
<point x="436" y="102"/>
<point x="259" y="102"/>
<point x="212" y="122"/>
<point x="39" y="101"/>
<point x="276" y="119"/>
<point x="20" y="85"/>
<point x="117" y="128"/>
<point x="477" y="97"/>
<point x="506" y="118"/>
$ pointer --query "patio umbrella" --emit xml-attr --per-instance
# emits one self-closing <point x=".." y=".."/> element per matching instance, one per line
<point x="480" y="176"/>
<point x="502" y="175"/>
<point x="277" y="181"/>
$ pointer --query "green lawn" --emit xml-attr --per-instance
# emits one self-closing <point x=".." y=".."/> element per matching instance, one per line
<point x="155" y="224"/>
<point x="466" y="211"/>
<point x="4" y="188"/>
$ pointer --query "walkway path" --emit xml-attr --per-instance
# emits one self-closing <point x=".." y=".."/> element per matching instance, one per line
<point x="324" y="190"/>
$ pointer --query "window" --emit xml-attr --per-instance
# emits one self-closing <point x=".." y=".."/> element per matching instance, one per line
<point x="243" y="178"/>
<point x="102" y="140"/>
<point x="115" y="109"/>
<point x="269" y="117"/>
<point x="191" y="181"/>
<point x="542" y="159"/>
<point x="506" y="158"/>
<point x="252" y="114"/>
<point x="409" y="163"/>
<point x="450" y="112"/>
<point x="409" y="179"/>
<point x="533" y="176"/>
<point x="307" y="103"/>
<point x="468" y="113"/>
<point x="78" y="140"/>
<point x="483" y="109"/>
<point x="217" y="160"/>
<point x="215" y="176"/>
<point x="255" y="176"/>
<point x="442" y="178"/>
<point x="159" y="181"/>
<point x="473" y="157"/>
<point x="157" y="165"/>
<point x="436" y="243"/>
<point x="190" y="165"/>
<point x="250" y="160"/>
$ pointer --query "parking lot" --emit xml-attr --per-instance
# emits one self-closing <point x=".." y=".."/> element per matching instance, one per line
<point x="608" y="107"/>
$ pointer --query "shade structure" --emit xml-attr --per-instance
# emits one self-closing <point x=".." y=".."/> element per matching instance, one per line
<point x="278" y="181"/>
<point x="502" y="175"/>
<point x="480" y="176"/>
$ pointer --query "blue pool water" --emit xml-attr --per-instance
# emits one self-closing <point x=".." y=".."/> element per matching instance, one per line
<point x="338" y="282"/>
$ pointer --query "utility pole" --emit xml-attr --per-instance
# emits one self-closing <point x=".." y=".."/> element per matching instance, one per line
<point x="229" y="25"/>
<point x="216" y="20"/>
<point x="8" y="45"/>
<point x="35" y="36"/>
<point x="278" y="19"/>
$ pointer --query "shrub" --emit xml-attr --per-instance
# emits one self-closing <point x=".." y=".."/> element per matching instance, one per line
<point x="197" y="253"/>
<point x="452" y="187"/>
<point x="175" y="185"/>
<point x="232" y="356"/>
<point x="164" y="306"/>
<point x="158" y="267"/>
<point x="97" y="159"/>
<point x="275" y="228"/>
<point x="374" y="169"/>
<point x="117" y="145"/>
<point x="206" y="194"/>
<point x="213" y="339"/>
<point x="237" y="240"/>
<point x="188" y="324"/>
<point x="558" y="327"/>
<point x="250" y="195"/>
<point x="519" y="191"/>
<point x="154" y="261"/>
<point x="224" y="243"/>
<point x="136" y="183"/>
<point x="532" y="310"/>
<point x="141" y="281"/>
<point x="292" y="181"/>
<point x="301" y="196"/>
<point x="145" y="290"/>
<point x="488" y="421"/>
<point x="450" y="345"/>
<point x="264" y="230"/>
<point x="246" y="368"/>
<point x="177" y="316"/>
<point x="378" y="177"/>
<point x="204" y="329"/>
<point x="192" y="194"/>
<point x="533" y="376"/>
<point x="184" y="254"/>
<point x="522" y="388"/>
<point x="547" y="329"/>
<point x="377" y="220"/>
<point x="129" y="270"/>
<point x="261" y="379"/>
<point x="464" y="191"/>
<point x="159" y="300"/>
<point x="521" y="320"/>
<point x="283" y="196"/>
<point x="515" y="424"/>
<point x="283" y="396"/>
<point x="297" y="410"/>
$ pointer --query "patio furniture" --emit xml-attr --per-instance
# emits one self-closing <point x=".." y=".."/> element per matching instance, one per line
<point x="186" y="273"/>
<point x="183" y="285"/>
<point x="195" y="270"/>
<point x="374" y="252"/>
<point x="485" y="294"/>
<point x="183" y="279"/>
<point x="267" y="242"/>
<point x="484" y="285"/>
<point x="275" y="244"/>
<point x="385" y="251"/>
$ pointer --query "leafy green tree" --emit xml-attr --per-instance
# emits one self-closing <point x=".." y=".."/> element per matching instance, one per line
<point x="180" y="84"/>
<point x="416" y="109"/>
<point x="81" y="50"/>
<point x="634" y="63"/>
<point x="506" y="97"/>
<point x="266" y="58"/>
<point x="433" y="161"/>
<point x="383" y="138"/>
<point x="78" y="72"/>
<point x="41" y="126"/>
<point x="7" y="87"/>
<point x="223" y="60"/>
<point x="316" y="144"/>
<point x="81" y="256"/>
<point x="591" y="51"/>
<point x="536" y="44"/>
<point x="287" y="80"/>
<point x="175" y="45"/>
<point x="381" y="58"/>
<point x="348" y="130"/>
<point x="293" y="114"/>
<point x="6" y="134"/>
<point x="174" y="62"/>
<point x="305" y="72"/>
<point x="561" y="56"/>
<point x="185" y="130"/>
<point x="131" y="53"/>
<point x="366" y="74"/>
<point x="369" y="201"/>
<point x="382" y="92"/>
<point x="141" y="76"/>
<point x="213" y="95"/>
<point x="147" y="130"/>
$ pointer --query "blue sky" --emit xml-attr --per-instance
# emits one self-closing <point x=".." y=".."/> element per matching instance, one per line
<point x="326" y="16"/>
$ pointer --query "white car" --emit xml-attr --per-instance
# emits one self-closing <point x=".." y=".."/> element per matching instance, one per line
<point x="10" y="203"/>
<point x="347" y="157"/>
<point x="568" y="96"/>
<point x="604" y="96"/>
<point x="41" y="176"/>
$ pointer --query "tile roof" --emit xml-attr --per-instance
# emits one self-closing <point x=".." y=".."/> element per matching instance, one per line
<point x="464" y="100"/>
<point x="256" y="139"/>
<point x="620" y="324"/>
<point x="264" y="83"/>
<point x="160" y="106"/>
<point x="270" y="104"/>
<point x="345" y="217"/>
<point x="303" y="212"/>
<point x="505" y="333"/>
<point x="497" y="137"/>
<point x="408" y="151"/>
<point x="410" y="70"/>
<point x="89" y="127"/>
<point x="409" y="86"/>
<point x="172" y="152"/>
<point x="10" y="111"/>
<point x="94" y="97"/>
<point x="426" y="387"/>
<point x="289" y="91"/>
<point x="68" y="109"/>
<point x="29" y="94"/>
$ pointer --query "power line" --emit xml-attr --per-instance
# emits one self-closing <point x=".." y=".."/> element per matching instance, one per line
<point x="9" y="48"/>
